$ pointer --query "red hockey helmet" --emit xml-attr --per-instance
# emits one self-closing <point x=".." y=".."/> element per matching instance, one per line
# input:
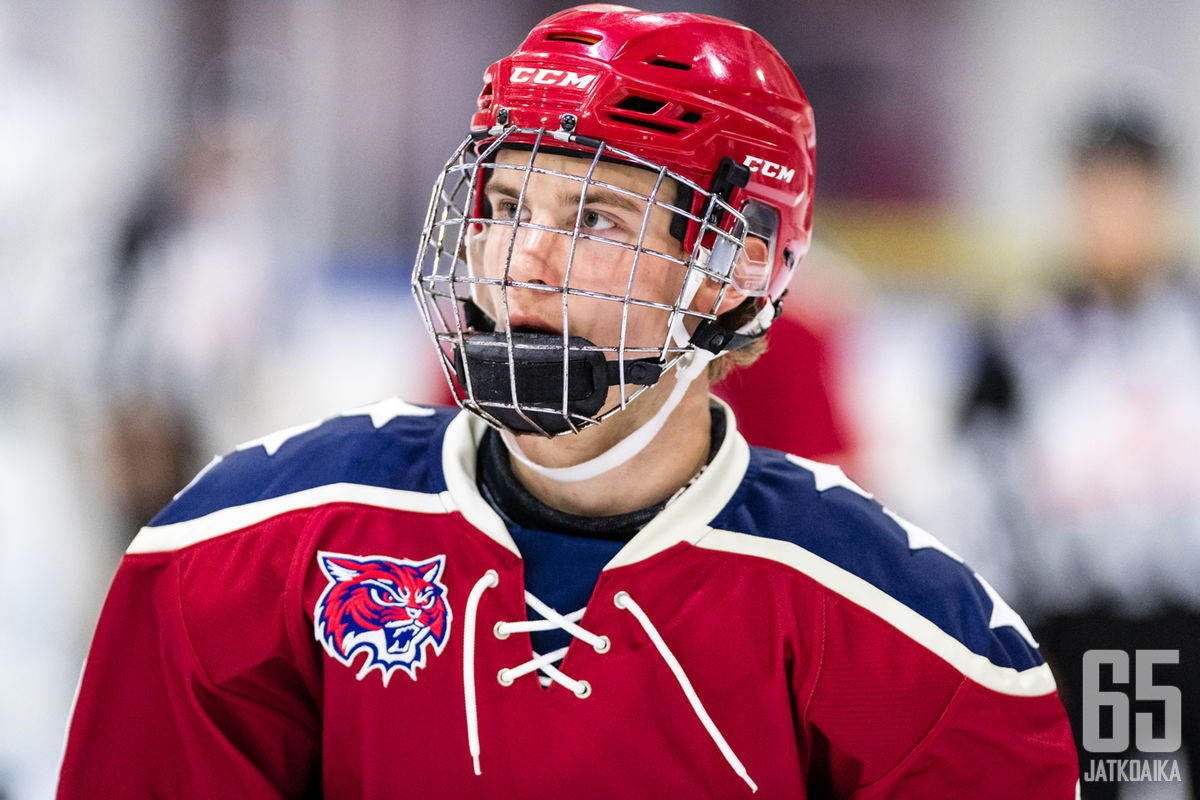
<point x="685" y="91"/>
<point x="705" y="103"/>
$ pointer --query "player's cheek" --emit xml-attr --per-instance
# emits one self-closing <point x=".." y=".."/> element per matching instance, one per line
<point x="602" y="267"/>
<point x="497" y="240"/>
<point x="655" y="280"/>
<point x="607" y="324"/>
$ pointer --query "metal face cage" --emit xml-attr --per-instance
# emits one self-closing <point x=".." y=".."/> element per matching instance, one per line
<point x="560" y="371"/>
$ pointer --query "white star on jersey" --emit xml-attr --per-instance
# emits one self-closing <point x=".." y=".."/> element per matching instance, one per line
<point x="919" y="538"/>
<point x="381" y="413"/>
<point x="1003" y="614"/>
<point x="826" y="476"/>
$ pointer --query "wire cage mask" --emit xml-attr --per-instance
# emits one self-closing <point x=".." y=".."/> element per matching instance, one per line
<point x="538" y="372"/>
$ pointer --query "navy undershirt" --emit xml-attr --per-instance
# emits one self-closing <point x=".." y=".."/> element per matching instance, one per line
<point x="563" y="553"/>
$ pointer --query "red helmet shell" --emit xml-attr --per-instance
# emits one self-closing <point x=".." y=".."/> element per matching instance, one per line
<point x="681" y="90"/>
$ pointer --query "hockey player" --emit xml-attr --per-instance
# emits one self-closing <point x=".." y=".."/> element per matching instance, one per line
<point x="584" y="584"/>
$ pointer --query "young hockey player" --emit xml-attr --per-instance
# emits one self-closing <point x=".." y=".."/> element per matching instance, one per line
<point x="585" y="583"/>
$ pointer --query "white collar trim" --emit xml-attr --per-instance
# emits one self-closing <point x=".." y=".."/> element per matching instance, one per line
<point x="686" y="518"/>
<point x="459" y="452"/>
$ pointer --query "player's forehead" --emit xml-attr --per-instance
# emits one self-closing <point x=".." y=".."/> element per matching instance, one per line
<point x="562" y="173"/>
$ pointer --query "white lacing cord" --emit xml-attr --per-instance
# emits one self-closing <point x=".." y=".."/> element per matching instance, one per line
<point x="489" y="580"/>
<point x="567" y="623"/>
<point x="545" y="663"/>
<point x="623" y="600"/>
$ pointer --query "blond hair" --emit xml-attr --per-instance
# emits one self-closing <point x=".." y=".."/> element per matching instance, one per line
<point x="744" y="356"/>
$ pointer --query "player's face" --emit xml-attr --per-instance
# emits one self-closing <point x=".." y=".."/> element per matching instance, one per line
<point x="598" y="275"/>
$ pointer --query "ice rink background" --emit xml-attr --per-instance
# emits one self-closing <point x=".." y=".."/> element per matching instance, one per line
<point x="208" y="212"/>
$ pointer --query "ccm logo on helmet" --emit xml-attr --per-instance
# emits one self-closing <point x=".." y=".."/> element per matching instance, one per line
<point x="544" y="76"/>
<point x="770" y="169"/>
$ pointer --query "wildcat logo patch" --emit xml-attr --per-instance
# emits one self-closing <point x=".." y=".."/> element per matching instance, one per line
<point x="392" y="609"/>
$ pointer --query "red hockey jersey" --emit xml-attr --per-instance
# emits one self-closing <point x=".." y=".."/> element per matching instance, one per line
<point x="333" y="611"/>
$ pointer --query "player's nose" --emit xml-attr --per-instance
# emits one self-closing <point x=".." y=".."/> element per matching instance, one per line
<point x="538" y="256"/>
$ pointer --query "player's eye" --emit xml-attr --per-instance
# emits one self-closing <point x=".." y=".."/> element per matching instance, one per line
<point x="596" y="221"/>
<point x="507" y="209"/>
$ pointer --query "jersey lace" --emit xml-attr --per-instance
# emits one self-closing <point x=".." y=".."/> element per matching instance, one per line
<point x="545" y="663"/>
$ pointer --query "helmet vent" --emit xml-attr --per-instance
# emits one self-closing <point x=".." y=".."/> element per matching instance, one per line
<point x="669" y="64"/>
<point x="642" y="123"/>
<point x="691" y="117"/>
<point x="642" y="105"/>
<point x="577" y="38"/>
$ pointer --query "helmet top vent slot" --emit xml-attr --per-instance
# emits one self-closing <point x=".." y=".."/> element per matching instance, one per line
<point x="642" y="105"/>
<point x="668" y="63"/>
<point x="643" y="123"/>
<point x="577" y="38"/>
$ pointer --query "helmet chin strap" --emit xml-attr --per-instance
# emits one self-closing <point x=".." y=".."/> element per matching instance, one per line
<point x="692" y="364"/>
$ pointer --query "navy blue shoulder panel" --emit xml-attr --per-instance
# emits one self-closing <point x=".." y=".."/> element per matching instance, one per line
<point x="780" y="499"/>
<point x="404" y="452"/>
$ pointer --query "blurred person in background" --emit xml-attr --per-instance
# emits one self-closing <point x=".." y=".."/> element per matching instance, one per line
<point x="1085" y="419"/>
<point x="193" y="288"/>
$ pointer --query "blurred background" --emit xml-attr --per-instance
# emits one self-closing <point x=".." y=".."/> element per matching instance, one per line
<point x="209" y="212"/>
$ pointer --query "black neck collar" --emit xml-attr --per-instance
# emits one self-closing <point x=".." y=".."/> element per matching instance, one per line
<point x="517" y="506"/>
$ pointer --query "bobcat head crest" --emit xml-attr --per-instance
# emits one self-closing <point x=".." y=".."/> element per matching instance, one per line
<point x="391" y="609"/>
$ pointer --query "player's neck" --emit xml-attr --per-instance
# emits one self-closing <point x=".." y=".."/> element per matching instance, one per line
<point x="655" y="473"/>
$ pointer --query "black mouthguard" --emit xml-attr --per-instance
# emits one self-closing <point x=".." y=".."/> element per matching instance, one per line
<point x="537" y="361"/>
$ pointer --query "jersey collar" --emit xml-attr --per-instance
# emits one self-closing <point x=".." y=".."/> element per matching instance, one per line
<point x="686" y="517"/>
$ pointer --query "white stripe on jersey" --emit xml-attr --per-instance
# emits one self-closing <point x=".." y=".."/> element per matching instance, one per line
<point x="1031" y="682"/>
<point x="176" y="535"/>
